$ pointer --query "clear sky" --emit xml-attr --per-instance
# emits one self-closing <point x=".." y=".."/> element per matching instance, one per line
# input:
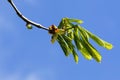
<point x="29" y="55"/>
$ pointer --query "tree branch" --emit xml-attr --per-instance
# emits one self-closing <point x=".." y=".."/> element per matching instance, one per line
<point x="26" y="19"/>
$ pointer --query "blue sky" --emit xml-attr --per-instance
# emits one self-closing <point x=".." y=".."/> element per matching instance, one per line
<point x="29" y="55"/>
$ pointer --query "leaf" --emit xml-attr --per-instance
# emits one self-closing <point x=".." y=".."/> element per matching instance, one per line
<point x="61" y="24"/>
<point x="76" y="58"/>
<point x="71" y="47"/>
<point x="92" y="51"/>
<point x="100" y="41"/>
<point x="80" y="45"/>
<point x="63" y="45"/>
<point x="69" y="43"/>
<point x="70" y="35"/>
<point x="54" y="37"/>
<point x="77" y="39"/>
<point x="85" y="51"/>
<point x="108" y="45"/>
<point x="76" y="21"/>
<point x="84" y="33"/>
<point x="65" y="24"/>
<point x="97" y="39"/>
<point x="95" y="54"/>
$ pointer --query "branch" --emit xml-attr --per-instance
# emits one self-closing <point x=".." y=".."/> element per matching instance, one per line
<point x="26" y="19"/>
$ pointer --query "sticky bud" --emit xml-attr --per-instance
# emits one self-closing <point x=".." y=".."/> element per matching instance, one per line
<point x="29" y="26"/>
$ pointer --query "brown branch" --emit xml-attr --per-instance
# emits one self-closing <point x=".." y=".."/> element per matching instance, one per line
<point x="26" y="19"/>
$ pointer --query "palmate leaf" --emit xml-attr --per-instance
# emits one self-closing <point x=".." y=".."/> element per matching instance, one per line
<point x="73" y="37"/>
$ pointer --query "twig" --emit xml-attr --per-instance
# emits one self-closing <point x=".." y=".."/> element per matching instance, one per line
<point x="26" y="19"/>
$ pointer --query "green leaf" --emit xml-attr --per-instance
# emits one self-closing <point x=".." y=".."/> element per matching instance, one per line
<point x="54" y="37"/>
<point x="71" y="47"/>
<point x="85" y="51"/>
<point x="76" y="21"/>
<point x="65" y="24"/>
<point x="77" y="39"/>
<point x="80" y="45"/>
<point x="97" y="39"/>
<point x="69" y="43"/>
<point x="84" y="33"/>
<point x="76" y="58"/>
<point x="108" y="45"/>
<point x="94" y="53"/>
<point x="63" y="45"/>
<point x="100" y="41"/>
<point x="70" y="35"/>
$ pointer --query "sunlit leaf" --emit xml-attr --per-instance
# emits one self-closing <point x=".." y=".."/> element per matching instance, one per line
<point x="76" y="58"/>
<point x="85" y="51"/>
<point x="100" y="41"/>
<point x="63" y="45"/>
<point x="76" y="21"/>
<point x="70" y="35"/>
<point x="108" y="45"/>
<point x="94" y="53"/>
<point x="80" y="36"/>
<point x="84" y="33"/>
<point x="69" y="43"/>
<point x="77" y="39"/>
<point x="54" y="37"/>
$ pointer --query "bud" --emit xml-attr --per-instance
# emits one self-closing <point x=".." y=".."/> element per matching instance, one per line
<point x="29" y="26"/>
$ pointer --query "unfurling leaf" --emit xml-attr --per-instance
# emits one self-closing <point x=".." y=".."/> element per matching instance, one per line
<point x="76" y="58"/>
<point x="72" y="37"/>
<point x="108" y="45"/>
<point x="77" y="39"/>
<point x="92" y="51"/>
<point x="76" y="21"/>
<point x="54" y="38"/>
<point x="100" y="41"/>
<point x="85" y="51"/>
<point x="63" y="45"/>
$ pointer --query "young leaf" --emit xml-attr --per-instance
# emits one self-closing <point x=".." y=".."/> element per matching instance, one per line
<point x="71" y="47"/>
<point x="70" y="35"/>
<point x="94" y="53"/>
<point x="100" y="41"/>
<point x="76" y="21"/>
<point x="69" y="43"/>
<point x="63" y="45"/>
<point x="84" y="33"/>
<point x="54" y="37"/>
<point x="108" y="45"/>
<point x="77" y="39"/>
<point x="85" y="51"/>
<point x="76" y="58"/>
